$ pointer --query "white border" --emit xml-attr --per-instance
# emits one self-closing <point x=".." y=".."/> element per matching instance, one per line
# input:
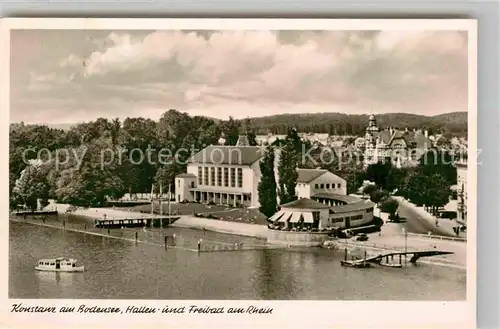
<point x="286" y="314"/>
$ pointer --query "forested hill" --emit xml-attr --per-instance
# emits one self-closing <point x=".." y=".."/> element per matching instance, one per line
<point x="348" y="124"/>
<point x="340" y="123"/>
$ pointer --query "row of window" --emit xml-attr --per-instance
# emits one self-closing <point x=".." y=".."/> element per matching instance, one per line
<point x="228" y="177"/>
<point x="341" y="219"/>
<point x="322" y="186"/>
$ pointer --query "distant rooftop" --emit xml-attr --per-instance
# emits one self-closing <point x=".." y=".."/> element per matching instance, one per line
<point x="229" y="155"/>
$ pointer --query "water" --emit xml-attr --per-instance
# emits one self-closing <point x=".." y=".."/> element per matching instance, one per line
<point x="119" y="269"/>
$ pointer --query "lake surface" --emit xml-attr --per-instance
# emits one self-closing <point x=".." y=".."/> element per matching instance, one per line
<point x="120" y="269"/>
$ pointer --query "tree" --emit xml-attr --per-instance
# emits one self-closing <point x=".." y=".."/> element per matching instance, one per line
<point x="250" y="132"/>
<point x="439" y="162"/>
<point x="32" y="185"/>
<point x="369" y="189"/>
<point x="267" y="184"/>
<point x="437" y="193"/>
<point x="287" y="169"/>
<point x="379" y="173"/>
<point x="378" y="195"/>
<point x="231" y="129"/>
<point x="390" y="206"/>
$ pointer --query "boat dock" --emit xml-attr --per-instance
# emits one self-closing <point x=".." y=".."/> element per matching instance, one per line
<point x="34" y="213"/>
<point x="386" y="259"/>
<point x="143" y="221"/>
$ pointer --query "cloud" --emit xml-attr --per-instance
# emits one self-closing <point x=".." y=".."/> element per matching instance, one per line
<point x="391" y="71"/>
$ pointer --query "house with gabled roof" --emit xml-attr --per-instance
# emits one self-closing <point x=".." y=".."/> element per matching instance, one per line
<point x="313" y="181"/>
<point x="403" y="148"/>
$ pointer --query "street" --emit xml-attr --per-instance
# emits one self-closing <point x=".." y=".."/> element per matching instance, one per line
<point x="417" y="224"/>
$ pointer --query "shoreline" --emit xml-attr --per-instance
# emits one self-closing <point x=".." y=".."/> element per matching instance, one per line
<point x="376" y="244"/>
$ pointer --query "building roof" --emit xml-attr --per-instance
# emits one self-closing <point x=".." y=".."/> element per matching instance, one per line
<point x="360" y="205"/>
<point x="308" y="175"/>
<point x="335" y="196"/>
<point x="305" y="204"/>
<point x="397" y="135"/>
<point x="186" y="175"/>
<point x="235" y="155"/>
<point x="422" y="141"/>
<point x="384" y="136"/>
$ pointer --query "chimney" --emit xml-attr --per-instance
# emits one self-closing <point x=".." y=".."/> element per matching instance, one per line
<point x="390" y="130"/>
<point x="426" y="133"/>
<point x="242" y="141"/>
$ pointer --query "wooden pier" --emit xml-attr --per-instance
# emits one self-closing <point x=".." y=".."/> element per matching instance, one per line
<point x="34" y="213"/>
<point x="385" y="259"/>
<point x="146" y="221"/>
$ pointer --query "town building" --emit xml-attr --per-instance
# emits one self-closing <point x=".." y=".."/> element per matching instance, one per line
<point x="223" y="175"/>
<point x="402" y="148"/>
<point x="313" y="181"/>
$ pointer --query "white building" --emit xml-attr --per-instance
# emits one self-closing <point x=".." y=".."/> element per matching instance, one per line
<point x="313" y="181"/>
<point x="222" y="175"/>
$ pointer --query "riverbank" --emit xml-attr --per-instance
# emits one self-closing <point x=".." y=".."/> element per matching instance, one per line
<point x="95" y="213"/>
<point x="185" y="221"/>
<point x="214" y="225"/>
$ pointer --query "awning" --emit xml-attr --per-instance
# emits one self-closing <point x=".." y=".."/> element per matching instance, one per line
<point x="308" y="217"/>
<point x="285" y="217"/>
<point x="295" y="217"/>
<point x="276" y="216"/>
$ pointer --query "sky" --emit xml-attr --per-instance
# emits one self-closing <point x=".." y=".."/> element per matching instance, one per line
<point x="68" y="76"/>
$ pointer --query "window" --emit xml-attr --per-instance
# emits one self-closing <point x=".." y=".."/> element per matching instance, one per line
<point x="226" y="176"/>
<point x="219" y="176"/>
<point x="338" y="185"/>
<point x="369" y="210"/>
<point x="205" y="175"/>
<point x="192" y="184"/>
<point x="249" y="197"/>
<point x="233" y="177"/>
<point x="327" y="186"/>
<point x="178" y="183"/>
<point x="212" y="176"/>
<point x="240" y="177"/>
<point x="322" y="186"/>
<point x="316" y="186"/>
<point x="200" y="176"/>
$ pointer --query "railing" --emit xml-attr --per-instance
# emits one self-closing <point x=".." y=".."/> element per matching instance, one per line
<point x="439" y="237"/>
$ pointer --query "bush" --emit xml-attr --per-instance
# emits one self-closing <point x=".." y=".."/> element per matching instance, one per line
<point x="369" y="189"/>
<point x="389" y="206"/>
<point x="378" y="195"/>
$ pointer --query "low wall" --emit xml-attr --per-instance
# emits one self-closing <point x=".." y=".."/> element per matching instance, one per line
<point x="296" y="239"/>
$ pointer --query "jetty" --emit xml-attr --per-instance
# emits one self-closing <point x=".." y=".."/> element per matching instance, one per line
<point x="143" y="221"/>
<point x="34" y="213"/>
<point x="415" y="255"/>
<point x="387" y="259"/>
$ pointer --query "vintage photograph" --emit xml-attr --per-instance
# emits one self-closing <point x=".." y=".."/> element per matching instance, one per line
<point x="239" y="164"/>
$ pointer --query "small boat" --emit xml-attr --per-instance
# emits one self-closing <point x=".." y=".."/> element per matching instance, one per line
<point x="59" y="265"/>
<point x="356" y="263"/>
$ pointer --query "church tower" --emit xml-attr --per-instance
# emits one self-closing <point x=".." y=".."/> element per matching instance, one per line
<point x="371" y="131"/>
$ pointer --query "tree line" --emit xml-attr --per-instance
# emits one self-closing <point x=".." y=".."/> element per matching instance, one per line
<point x="77" y="176"/>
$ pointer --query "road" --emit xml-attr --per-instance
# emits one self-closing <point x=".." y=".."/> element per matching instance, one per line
<point x="415" y="223"/>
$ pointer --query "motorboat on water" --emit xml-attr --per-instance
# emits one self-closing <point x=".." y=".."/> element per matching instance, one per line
<point x="60" y="264"/>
